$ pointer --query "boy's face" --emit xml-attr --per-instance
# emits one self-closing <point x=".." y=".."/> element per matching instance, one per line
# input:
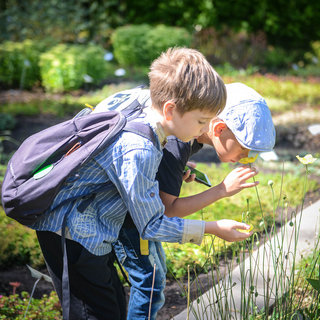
<point x="191" y="124"/>
<point x="225" y="143"/>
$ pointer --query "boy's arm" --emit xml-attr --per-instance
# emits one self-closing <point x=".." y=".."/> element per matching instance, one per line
<point x="224" y="229"/>
<point x="234" y="182"/>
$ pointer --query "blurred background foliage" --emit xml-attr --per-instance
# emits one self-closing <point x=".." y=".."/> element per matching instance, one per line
<point x="291" y="24"/>
<point x="269" y="34"/>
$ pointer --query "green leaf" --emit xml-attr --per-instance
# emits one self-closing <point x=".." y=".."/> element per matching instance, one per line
<point x="315" y="283"/>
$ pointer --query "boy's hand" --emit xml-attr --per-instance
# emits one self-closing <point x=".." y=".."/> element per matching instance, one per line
<point x="227" y="230"/>
<point x="236" y="180"/>
<point x="187" y="177"/>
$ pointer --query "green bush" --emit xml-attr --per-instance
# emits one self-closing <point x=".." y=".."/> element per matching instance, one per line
<point x="14" y="307"/>
<point x="138" y="45"/>
<point x="19" y="63"/>
<point x="129" y="44"/>
<point x="311" y="65"/>
<point x="162" y="37"/>
<point x="277" y="58"/>
<point x="18" y="244"/>
<point x="7" y="122"/>
<point x="66" y="67"/>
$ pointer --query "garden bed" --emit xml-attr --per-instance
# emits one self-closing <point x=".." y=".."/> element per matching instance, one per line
<point x="176" y="301"/>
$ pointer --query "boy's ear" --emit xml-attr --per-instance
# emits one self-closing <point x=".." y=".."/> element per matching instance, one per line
<point x="218" y="127"/>
<point x="168" y="109"/>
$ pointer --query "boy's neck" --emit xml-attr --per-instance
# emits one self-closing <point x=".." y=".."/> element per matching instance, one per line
<point x="157" y="120"/>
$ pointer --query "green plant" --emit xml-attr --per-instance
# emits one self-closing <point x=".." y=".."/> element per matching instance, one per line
<point x="162" y="37"/>
<point x="19" y="63"/>
<point x="18" y="244"/>
<point x="14" y="307"/>
<point x="310" y="66"/>
<point x="282" y="93"/>
<point x="129" y="45"/>
<point x="239" y="50"/>
<point x="138" y="45"/>
<point x="269" y="282"/>
<point x="7" y="122"/>
<point x="179" y="256"/>
<point x="67" y="67"/>
<point x="276" y="58"/>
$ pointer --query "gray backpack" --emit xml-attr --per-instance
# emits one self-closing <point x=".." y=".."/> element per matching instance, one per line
<point x="38" y="169"/>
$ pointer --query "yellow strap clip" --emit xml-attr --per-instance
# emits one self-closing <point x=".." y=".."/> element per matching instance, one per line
<point x="144" y="247"/>
<point x="89" y="106"/>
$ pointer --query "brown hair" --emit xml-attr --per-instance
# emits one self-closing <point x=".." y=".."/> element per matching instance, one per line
<point x="185" y="77"/>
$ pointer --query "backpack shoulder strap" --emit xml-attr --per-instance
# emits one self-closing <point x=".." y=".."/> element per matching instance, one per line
<point x="141" y="129"/>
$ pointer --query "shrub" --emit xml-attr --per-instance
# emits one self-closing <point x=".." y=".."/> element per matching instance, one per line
<point x="277" y="58"/>
<point x="239" y="50"/>
<point x="311" y="66"/>
<point x="7" y="122"/>
<point x="162" y="37"/>
<point x="129" y="44"/>
<point x="18" y="244"/>
<point x="19" y="63"/>
<point x="138" y="45"/>
<point x="67" y="67"/>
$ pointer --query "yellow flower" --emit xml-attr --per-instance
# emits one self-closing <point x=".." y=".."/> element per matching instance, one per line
<point x="248" y="159"/>
<point x="307" y="159"/>
<point x="246" y="231"/>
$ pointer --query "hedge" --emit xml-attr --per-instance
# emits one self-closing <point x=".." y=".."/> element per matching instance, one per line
<point x="138" y="45"/>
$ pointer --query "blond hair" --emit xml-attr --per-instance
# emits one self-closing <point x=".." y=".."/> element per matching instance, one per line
<point x="184" y="76"/>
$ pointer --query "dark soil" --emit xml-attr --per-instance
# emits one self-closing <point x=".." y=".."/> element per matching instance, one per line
<point x="293" y="139"/>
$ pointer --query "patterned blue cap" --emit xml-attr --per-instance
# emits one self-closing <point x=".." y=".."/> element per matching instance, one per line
<point x="248" y="117"/>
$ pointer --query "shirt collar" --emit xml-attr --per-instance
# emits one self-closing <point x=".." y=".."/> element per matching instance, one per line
<point x="153" y="119"/>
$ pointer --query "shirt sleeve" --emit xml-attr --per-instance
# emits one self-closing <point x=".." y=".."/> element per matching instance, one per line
<point x="135" y="171"/>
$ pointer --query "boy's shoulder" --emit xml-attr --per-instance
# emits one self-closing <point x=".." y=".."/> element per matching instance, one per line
<point x="130" y="142"/>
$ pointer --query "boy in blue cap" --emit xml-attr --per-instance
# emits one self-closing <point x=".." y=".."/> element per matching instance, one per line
<point x="238" y="133"/>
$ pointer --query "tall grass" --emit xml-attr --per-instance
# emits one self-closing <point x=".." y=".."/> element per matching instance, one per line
<point x="244" y="205"/>
<point x="261" y="277"/>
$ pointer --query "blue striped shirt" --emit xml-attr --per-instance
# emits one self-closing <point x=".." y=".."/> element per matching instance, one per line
<point x="118" y="180"/>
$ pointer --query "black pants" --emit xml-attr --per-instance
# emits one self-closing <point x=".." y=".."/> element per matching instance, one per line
<point x="95" y="288"/>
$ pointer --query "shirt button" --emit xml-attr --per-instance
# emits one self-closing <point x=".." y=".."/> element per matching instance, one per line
<point x="152" y="194"/>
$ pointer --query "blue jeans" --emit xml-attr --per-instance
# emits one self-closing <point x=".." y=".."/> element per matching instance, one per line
<point x="140" y="269"/>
